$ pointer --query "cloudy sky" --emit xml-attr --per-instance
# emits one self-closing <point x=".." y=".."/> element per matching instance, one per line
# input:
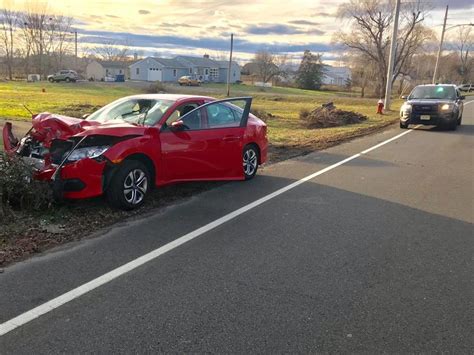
<point x="168" y="27"/>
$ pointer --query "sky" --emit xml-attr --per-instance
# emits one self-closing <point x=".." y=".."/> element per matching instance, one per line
<point x="196" y="27"/>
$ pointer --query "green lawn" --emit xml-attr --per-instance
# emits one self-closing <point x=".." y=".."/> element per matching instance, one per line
<point x="283" y="103"/>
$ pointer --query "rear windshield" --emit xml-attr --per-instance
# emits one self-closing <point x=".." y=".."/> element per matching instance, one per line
<point x="433" y="93"/>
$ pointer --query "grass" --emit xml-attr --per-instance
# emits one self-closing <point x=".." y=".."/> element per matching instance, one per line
<point x="284" y="103"/>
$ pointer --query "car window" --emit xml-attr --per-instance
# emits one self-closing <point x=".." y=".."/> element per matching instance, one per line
<point x="223" y="115"/>
<point x="193" y="120"/>
<point x="433" y="92"/>
<point x="180" y="112"/>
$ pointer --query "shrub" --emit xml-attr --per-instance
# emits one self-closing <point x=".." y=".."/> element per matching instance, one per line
<point x="18" y="190"/>
<point x="156" y="88"/>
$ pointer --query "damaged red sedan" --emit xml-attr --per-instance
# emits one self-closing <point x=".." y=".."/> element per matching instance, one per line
<point x="137" y="142"/>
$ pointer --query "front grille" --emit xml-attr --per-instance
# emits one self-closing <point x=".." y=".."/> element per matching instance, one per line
<point x="425" y="109"/>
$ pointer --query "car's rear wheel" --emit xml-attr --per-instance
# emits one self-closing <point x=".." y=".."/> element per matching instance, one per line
<point x="129" y="186"/>
<point x="51" y="80"/>
<point x="403" y="125"/>
<point x="68" y="80"/>
<point x="250" y="161"/>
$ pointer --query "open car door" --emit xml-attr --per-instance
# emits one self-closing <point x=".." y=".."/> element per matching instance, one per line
<point x="10" y="142"/>
<point x="207" y="142"/>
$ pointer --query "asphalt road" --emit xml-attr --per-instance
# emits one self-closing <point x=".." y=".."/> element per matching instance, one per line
<point x="374" y="255"/>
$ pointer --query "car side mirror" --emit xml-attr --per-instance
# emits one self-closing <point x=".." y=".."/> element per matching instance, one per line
<point x="177" y="125"/>
<point x="462" y="97"/>
<point x="404" y="97"/>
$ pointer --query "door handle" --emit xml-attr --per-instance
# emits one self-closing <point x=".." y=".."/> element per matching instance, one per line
<point x="231" y="138"/>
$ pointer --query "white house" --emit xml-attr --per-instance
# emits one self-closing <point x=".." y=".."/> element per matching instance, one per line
<point x="170" y="70"/>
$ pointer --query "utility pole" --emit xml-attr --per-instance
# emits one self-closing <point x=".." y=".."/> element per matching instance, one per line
<point x="435" y="74"/>
<point x="75" y="49"/>
<point x="230" y="63"/>
<point x="391" y="60"/>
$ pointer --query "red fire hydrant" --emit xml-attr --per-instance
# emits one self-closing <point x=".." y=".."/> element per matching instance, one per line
<point x="380" y="107"/>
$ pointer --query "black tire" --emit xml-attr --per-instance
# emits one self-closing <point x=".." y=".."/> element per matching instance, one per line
<point x="51" y="80"/>
<point x="459" y="120"/>
<point x="452" y="126"/>
<point x="403" y="125"/>
<point x="68" y="80"/>
<point x="129" y="185"/>
<point x="250" y="156"/>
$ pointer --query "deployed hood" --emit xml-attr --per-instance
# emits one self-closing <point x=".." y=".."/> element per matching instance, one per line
<point x="47" y="127"/>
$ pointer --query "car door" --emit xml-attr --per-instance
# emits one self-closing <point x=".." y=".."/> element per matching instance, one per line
<point x="209" y="145"/>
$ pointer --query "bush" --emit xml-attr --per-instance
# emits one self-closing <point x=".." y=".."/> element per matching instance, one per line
<point x="156" y="88"/>
<point x="18" y="189"/>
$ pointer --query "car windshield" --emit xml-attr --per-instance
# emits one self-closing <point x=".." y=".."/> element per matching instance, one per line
<point x="133" y="110"/>
<point x="433" y="93"/>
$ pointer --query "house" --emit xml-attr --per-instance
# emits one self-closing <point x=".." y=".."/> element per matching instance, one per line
<point x="336" y="75"/>
<point x="157" y="69"/>
<point x="224" y="69"/>
<point x="99" y="69"/>
<point x="170" y="70"/>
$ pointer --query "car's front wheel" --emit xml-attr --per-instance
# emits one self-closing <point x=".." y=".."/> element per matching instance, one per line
<point x="129" y="186"/>
<point x="68" y="80"/>
<point x="250" y="161"/>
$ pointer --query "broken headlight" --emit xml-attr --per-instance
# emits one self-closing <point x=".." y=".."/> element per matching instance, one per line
<point x="87" y="152"/>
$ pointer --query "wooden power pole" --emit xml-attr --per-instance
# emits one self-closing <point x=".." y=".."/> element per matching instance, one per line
<point x="230" y="63"/>
<point x="440" y="49"/>
<point x="391" y="59"/>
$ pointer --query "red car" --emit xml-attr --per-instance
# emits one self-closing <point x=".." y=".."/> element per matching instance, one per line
<point x="138" y="141"/>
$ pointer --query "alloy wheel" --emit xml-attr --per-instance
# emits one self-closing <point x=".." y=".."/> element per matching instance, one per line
<point x="135" y="186"/>
<point x="250" y="162"/>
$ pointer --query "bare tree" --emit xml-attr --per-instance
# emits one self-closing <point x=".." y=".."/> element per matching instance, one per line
<point x="8" y="22"/>
<point x="370" y="33"/>
<point x="363" y="71"/>
<point x="268" y="65"/>
<point x="112" y="50"/>
<point x="463" y="44"/>
<point x="36" y="26"/>
<point x="61" y="37"/>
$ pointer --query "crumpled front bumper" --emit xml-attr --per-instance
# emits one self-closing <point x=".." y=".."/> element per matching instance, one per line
<point x="76" y="180"/>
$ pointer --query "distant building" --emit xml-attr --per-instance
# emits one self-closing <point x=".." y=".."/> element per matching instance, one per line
<point x="170" y="70"/>
<point x="99" y="69"/>
<point x="336" y="75"/>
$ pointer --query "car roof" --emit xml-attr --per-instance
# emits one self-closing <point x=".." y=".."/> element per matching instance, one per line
<point x="172" y="97"/>
<point x="453" y="85"/>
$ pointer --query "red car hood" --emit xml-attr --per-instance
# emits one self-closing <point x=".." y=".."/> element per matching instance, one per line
<point x="47" y="127"/>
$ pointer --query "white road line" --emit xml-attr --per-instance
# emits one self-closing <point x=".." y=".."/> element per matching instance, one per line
<point x="44" y="308"/>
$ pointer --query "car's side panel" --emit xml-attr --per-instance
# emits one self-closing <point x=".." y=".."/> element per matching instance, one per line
<point x="147" y="145"/>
